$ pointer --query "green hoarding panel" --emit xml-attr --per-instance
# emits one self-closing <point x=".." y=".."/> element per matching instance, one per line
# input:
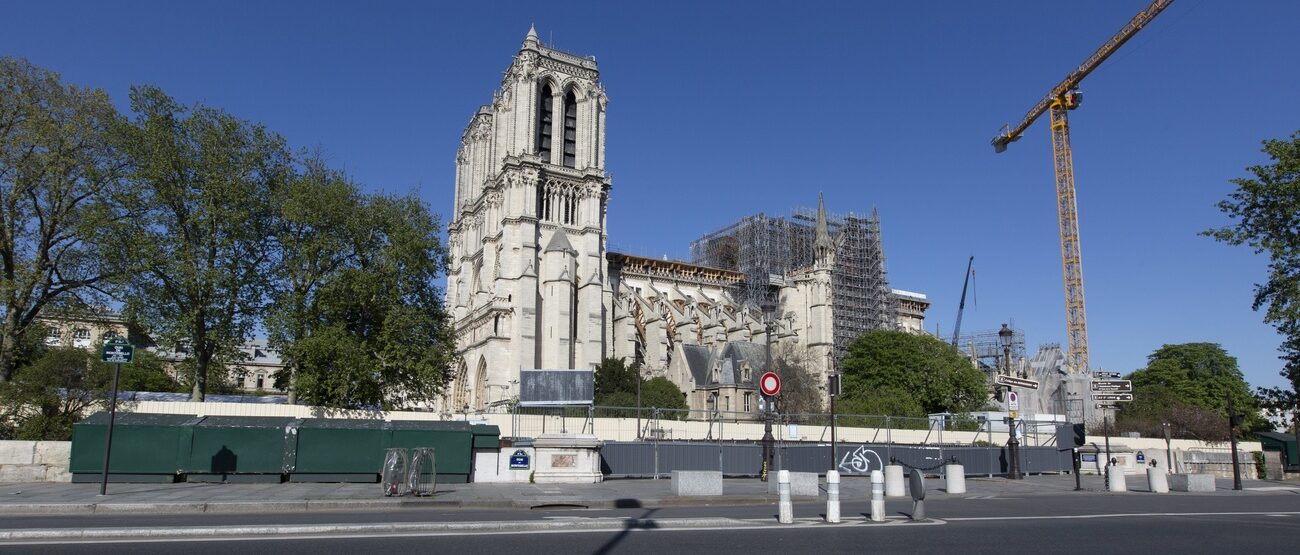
<point x="486" y="436"/>
<point x="225" y="445"/>
<point x="452" y="442"/>
<point x="341" y="446"/>
<point x="143" y="444"/>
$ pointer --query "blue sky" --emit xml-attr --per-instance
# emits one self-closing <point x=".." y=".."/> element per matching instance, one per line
<point x="720" y="110"/>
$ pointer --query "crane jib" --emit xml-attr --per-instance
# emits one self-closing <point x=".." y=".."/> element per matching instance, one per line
<point x="1072" y="80"/>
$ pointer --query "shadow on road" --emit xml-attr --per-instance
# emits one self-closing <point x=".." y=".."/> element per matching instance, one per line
<point x="629" y="525"/>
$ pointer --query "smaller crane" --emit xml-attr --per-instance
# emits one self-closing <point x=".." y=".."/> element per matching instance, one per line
<point x="956" y="330"/>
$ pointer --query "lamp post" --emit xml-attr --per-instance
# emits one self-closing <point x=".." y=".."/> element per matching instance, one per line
<point x="768" y="440"/>
<point x="1013" y="444"/>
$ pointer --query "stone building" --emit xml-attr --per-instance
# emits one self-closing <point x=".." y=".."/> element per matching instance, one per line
<point x="532" y="285"/>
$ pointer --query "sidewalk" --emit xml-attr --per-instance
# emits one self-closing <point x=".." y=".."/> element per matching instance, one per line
<point x="63" y="498"/>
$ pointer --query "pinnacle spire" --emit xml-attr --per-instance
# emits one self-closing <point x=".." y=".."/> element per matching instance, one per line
<point x="532" y="33"/>
<point x="823" y="245"/>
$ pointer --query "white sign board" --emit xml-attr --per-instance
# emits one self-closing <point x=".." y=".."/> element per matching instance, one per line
<point x="1013" y="400"/>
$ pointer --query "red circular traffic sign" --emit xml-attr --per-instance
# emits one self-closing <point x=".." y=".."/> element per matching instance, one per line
<point x="769" y="383"/>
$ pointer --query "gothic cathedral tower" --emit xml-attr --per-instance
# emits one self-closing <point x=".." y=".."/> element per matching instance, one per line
<point x="527" y="280"/>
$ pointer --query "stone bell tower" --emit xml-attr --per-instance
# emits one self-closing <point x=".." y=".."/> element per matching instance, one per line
<point x="527" y="281"/>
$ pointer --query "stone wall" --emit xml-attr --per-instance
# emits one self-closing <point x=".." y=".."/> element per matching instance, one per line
<point x="34" y="461"/>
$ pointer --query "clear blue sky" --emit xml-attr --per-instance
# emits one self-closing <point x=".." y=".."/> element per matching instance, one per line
<point x="720" y="110"/>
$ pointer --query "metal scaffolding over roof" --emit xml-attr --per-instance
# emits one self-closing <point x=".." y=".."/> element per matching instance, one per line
<point x="765" y="248"/>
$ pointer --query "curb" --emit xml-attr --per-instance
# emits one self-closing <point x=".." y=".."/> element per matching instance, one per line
<point x="312" y="529"/>
<point x="312" y="505"/>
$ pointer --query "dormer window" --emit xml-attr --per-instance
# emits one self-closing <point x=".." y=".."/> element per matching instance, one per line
<point x="746" y="375"/>
<point x="716" y="375"/>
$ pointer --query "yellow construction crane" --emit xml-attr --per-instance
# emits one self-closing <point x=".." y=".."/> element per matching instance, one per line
<point x="1063" y="97"/>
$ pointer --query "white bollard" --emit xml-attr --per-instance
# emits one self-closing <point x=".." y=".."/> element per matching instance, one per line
<point x="894" y="481"/>
<point x="955" y="474"/>
<point x="785" y="509"/>
<point x="1116" y="479"/>
<point x="833" y="496"/>
<point x="877" y="496"/>
<point x="1157" y="480"/>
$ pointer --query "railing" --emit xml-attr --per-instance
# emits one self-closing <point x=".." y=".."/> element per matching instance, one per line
<point x="648" y="423"/>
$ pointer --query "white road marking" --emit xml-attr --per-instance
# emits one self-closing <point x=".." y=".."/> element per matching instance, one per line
<point x="893" y="522"/>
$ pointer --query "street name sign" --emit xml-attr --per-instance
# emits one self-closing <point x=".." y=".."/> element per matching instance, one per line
<point x="1013" y="381"/>
<point x="117" y="351"/>
<point x="519" y="460"/>
<point x="1113" y="397"/>
<point x="1113" y="386"/>
<point x="1106" y="406"/>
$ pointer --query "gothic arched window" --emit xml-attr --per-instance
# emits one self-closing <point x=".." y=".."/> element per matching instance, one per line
<point x="544" y="119"/>
<point x="570" y="130"/>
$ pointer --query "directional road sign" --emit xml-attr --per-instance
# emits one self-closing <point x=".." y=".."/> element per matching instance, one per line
<point x="1113" y="397"/>
<point x="1113" y="386"/>
<point x="117" y="350"/>
<point x="1106" y="406"/>
<point x="1013" y="381"/>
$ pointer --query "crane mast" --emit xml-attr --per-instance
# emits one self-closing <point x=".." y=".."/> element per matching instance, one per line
<point x="956" y="330"/>
<point x="1059" y="101"/>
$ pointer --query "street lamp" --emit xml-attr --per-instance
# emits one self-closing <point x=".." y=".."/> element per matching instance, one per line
<point x="1013" y="445"/>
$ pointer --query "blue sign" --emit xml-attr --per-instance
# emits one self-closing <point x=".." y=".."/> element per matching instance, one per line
<point x="1090" y="457"/>
<point x="1142" y="457"/>
<point x="519" y="460"/>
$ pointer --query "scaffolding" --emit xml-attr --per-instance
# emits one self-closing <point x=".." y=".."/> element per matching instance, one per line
<point x="766" y="248"/>
<point x="985" y="348"/>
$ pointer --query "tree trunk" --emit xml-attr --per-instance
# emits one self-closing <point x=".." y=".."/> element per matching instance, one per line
<point x="200" y="377"/>
<point x="8" y="343"/>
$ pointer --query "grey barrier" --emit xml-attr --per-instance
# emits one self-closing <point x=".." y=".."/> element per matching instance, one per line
<point x="640" y="459"/>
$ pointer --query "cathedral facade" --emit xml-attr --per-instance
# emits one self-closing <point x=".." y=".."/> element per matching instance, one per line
<point x="532" y="285"/>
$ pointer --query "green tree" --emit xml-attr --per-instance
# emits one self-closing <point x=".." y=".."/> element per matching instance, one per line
<point x="660" y="392"/>
<point x="1265" y="210"/>
<point x="1187" y="385"/>
<point x="320" y="224"/>
<point x="801" y="391"/>
<point x="205" y="180"/>
<point x="616" y="386"/>
<point x="894" y="367"/>
<point x="612" y="377"/>
<point x="48" y="396"/>
<point x="61" y="176"/>
<point x="378" y="335"/>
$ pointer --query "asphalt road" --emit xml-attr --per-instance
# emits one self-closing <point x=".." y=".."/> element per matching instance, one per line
<point x="1133" y="523"/>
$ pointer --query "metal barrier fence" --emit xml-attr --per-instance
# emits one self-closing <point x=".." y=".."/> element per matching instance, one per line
<point x="669" y="424"/>
<point x="642" y="459"/>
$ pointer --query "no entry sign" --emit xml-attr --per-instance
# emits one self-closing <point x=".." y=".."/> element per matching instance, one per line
<point x="769" y="383"/>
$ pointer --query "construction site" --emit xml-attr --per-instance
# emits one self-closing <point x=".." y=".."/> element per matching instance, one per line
<point x="765" y="248"/>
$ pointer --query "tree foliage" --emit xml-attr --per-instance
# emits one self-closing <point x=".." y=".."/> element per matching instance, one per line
<point x="616" y="386"/>
<point x="376" y="333"/>
<point x="910" y="373"/>
<point x="61" y="183"/>
<point x="320" y="226"/>
<point x="206" y="180"/>
<point x="56" y="390"/>
<point x="1187" y="386"/>
<point x="801" y="391"/>
<point x="1265" y="210"/>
